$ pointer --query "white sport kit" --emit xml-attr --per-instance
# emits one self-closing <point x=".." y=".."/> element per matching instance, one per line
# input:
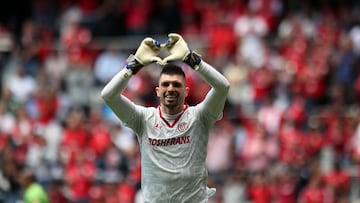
<point x="173" y="147"/>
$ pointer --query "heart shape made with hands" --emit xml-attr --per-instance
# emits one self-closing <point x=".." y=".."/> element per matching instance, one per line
<point x="175" y="45"/>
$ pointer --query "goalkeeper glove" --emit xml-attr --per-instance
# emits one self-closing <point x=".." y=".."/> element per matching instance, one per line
<point x="145" y="54"/>
<point x="180" y="51"/>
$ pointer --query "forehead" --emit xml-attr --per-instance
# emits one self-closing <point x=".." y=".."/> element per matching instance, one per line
<point x="171" y="78"/>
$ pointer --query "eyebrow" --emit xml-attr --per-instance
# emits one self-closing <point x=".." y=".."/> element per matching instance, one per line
<point x="175" y="83"/>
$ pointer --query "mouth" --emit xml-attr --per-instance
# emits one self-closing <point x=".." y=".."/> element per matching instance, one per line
<point x="170" y="98"/>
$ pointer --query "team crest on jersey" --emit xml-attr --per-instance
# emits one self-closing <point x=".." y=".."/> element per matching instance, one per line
<point x="182" y="127"/>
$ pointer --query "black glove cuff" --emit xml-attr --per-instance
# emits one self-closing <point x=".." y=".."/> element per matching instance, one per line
<point x="193" y="59"/>
<point x="134" y="65"/>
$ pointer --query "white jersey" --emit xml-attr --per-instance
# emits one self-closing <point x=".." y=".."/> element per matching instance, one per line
<point x="173" y="153"/>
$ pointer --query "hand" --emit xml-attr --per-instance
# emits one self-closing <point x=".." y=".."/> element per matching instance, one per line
<point x="177" y="47"/>
<point x="147" y="53"/>
<point x="180" y="51"/>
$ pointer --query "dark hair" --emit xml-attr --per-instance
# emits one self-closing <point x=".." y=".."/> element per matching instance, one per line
<point x="27" y="177"/>
<point x="172" y="69"/>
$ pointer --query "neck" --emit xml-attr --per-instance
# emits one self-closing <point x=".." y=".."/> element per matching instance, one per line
<point x="173" y="110"/>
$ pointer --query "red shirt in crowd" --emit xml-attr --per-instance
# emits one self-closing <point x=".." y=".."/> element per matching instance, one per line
<point x="259" y="191"/>
<point x="79" y="175"/>
<point x="126" y="193"/>
<point x="292" y="146"/>
<point x="340" y="180"/>
<point x="100" y="139"/>
<point x="314" y="192"/>
<point x="285" y="188"/>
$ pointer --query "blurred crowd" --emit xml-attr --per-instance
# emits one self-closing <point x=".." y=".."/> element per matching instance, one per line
<point x="290" y="132"/>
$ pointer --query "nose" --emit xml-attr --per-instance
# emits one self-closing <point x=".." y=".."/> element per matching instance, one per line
<point x="171" y="87"/>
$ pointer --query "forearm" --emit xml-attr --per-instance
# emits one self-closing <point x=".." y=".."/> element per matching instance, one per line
<point x="112" y="95"/>
<point x="215" y="99"/>
<point x="214" y="78"/>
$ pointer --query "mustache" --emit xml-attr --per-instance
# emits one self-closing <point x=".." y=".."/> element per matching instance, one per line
<point x="171" y="94"/>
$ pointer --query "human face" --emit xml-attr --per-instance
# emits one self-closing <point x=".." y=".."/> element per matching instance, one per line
<point x="172" y="91"/>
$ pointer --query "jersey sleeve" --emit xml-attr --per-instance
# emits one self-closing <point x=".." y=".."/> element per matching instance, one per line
<point x="214" y="101"/>
<point x="126" y="110"/>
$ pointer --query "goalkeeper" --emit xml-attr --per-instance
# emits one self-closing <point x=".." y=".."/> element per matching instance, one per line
<point x="173" y="137"/>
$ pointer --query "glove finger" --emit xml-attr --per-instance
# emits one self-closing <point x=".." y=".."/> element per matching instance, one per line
<point x="153" y="44"/>
<point x="167" y="43"/>
<point x="174" y="36"/>
<point x="169" y="59"/>
<point x="156" y="59"/>
<point x="172" y="40"/>
<point x="161" y="63"/>
<point x="147" y="40"/>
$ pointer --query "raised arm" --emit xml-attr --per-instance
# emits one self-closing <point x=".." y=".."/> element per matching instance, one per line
<point x="112" y="92"/>
<point x="216" y="97"/>
<point x="112" y="95"/>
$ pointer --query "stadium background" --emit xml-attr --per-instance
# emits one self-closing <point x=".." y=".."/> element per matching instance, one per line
<point x="290" y="131"/>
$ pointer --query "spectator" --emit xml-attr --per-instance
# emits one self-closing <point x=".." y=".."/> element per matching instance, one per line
<point x="262" y="82"/>
<point x="33" y="191"/>
<point x="9" y="175"/>
<point x="136" y="15"/>
<point x="108" y="63"/>
<point x="36" y="158"/>
<point x="7" y="120"/>
<point x="126" y="192"/>
<point x="285" y="186"/>
<point x="23" y="127"/>
<point x="269" y="115"/>
<point x="234" y="189"/>
<point x="260" y="150"/>
<point x="250" y="29"/>
<point x="56" y="66"/>
<point x="21" y="86"/>
<point x="240" y="93"/>
<point x="75" y="136"/>
<point x="79" y="176"/>
<point x="221" y="39"/>
<point x="338" y="181"/>
<point x="29" y="47"/>
<point x="124" y="139"/>
<point x="346" y="64"/>
<point x="291" y="144"/>
<point x="218" y="160"/>
<point x="260" y="188"/>
<point x="315" y="192"/>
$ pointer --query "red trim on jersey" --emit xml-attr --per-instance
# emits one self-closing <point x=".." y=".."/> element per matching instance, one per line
<point x="176" y="119"/>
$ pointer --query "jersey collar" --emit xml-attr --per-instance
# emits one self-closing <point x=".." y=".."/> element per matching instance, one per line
<point x="176" y="119"/>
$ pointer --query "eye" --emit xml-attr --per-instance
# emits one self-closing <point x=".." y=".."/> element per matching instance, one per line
<point x="173" y="84"/>
<point x="164" y="84"/>
<point x="177" y="84"/>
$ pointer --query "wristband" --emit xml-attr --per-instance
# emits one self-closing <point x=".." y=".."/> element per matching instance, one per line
<point x="193" y="59"/>
<point x="133" y="64"/>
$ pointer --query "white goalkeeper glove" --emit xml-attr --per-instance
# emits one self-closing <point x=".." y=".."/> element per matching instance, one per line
<point x="180" y="51"/>
<point x="147" y="53"/>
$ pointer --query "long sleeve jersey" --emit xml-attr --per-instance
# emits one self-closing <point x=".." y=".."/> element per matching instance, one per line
<point x="173" y="154"/>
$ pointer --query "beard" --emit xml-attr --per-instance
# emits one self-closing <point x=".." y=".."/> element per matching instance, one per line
<point x="172" y="102"/>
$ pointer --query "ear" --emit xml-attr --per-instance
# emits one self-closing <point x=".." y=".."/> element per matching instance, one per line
<point x="187" y="89"/>
<point x="157" y="91"/>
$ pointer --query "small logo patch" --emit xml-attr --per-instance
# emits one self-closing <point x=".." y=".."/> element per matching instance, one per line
<point x="182" y="126"/>
<point x="158" y="126"/>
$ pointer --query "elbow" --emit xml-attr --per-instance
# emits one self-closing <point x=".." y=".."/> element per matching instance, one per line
<point x="226" y="86"/>
<point x="105" y="95"/>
